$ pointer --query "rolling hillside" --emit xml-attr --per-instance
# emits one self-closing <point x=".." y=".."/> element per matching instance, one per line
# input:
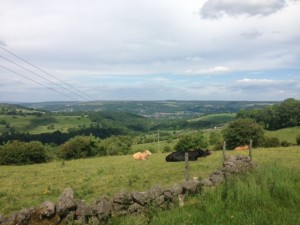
<point x="154" y="109"/>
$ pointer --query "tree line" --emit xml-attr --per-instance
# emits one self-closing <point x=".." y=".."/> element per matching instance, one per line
<point x="20" y="153"/>
<point x="278" y="116"/>
<point x="58" y="137"/>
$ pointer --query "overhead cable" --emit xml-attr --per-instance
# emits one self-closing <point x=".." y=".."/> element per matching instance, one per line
<point x="38" y="82"/>
<point x="70" y="86"/>
<point x="44" y="78"/>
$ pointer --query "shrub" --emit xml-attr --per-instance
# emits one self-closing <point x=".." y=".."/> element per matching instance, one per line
<point x="167" y="148"/>
<point x="218" y="146"/>
<point x="78" y="147"/>
<point x="191" y="141"/>
<point x="117" y="145"/>
<point x="270" y="142"/>
<point x="241" y="131"/>
<point x="285" y="143"/>
<point x="215" y="138"/>
<point x="21" y="153"/>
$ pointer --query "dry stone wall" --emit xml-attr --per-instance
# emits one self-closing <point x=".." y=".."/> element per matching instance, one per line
<point x="68" y="210"/>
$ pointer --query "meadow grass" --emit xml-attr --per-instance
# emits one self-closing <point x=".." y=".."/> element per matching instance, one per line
<point x="154" y="146"/>
<point x="285" y="134"/>
<point x="216" y="118"/>
<point x="18" y="122"/>
<point x="36" y="125"/>
<point x="25" y="186"/>
<point x="268" y="195"/>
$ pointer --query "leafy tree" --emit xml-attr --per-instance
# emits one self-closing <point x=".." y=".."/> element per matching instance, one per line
<point x="216" y="140"/>
<point x="20" y="153"/>
<point x="3" y="122"/>
<point x="191" y="141"/>
<point x="215" y="137"/>
<point x="117" y="145"/>
<point x="289" y="112"/>
<point x="277" y="116"/>
<point x="241" y="131"/>
<point x="78" y="147"/>
<point x="271" y="142"/>
<point x="285" y="143"/>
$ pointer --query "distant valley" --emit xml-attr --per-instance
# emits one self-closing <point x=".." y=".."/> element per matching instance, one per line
<point x="152" y="109"/>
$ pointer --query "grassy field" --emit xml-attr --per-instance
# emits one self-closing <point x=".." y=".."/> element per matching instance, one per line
<point x="35" y="125"/>
<point x="287" y="134"/>
<point x="269" y="195"/>
<point x="24" y="186"/>
<point x="216" y="118"/>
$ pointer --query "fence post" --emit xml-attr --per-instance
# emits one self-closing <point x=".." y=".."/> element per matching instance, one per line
<point x="250" y="149"/>
<point x="187" y="172"/>
<point x="224" y="151"/>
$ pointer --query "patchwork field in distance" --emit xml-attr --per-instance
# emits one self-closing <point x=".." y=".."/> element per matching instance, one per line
<point x="36" y="125"/>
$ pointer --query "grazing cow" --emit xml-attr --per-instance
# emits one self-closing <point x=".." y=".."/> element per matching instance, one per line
<point x="193" y="155"/>
<point x="242" y="148"/>
<point x="142" y="155"/>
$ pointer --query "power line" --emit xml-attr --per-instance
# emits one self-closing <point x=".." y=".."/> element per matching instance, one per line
<point x="44" y="78"/>
<point x="48" y="74"/>
<point x="37" y="82"/>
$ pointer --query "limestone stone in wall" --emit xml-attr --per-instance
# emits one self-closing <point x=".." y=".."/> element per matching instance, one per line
<point x="65" y="203"/>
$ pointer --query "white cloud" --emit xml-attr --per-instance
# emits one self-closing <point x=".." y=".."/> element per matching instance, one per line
<point x="251" y="34"/>
<point x="209" y="71"/>
<point x="121" y="44"/>
<point x="266" y="89"/>
<point x="264" y="82"/>
<point x="218" y="8"/>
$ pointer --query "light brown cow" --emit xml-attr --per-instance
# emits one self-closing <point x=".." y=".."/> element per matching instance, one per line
<point x="242" y="148"/>
<point x="142" y="155"/>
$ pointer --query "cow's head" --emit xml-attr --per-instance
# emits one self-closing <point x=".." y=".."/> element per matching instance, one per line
<point x="203" y="153"/>
<point x="207" y="152"/>
<point x="147" y="152"/>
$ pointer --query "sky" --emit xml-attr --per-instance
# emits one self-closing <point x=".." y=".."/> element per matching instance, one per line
<point x="66" y="50"/>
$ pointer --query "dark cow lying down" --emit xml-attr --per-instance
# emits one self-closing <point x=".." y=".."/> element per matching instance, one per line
<point x="193" y="155"/>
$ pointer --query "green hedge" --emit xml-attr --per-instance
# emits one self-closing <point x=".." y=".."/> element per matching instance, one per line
<point x="20" y="153"/>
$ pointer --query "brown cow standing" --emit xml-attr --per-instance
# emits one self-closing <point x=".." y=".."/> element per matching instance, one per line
<point x="242" y="148"/>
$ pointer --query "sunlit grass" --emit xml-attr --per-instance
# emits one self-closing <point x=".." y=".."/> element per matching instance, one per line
<point x="285" y="134"/>
<point x="36" y="125"/>
<point x="25" y="186"/>
<point x="268" y="195"/>
<point x="216" y="117"/>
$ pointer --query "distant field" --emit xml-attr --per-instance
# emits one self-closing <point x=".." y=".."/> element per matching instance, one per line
<point x="287" y="134"/>
<point x="24" y="186"/>
<point x="35" y="125"/>
<point x="216" y="118"/>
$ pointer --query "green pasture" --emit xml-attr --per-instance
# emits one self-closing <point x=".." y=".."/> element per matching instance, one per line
<point x="35" y="125"/>
<point x="216" y="118"/>
<point x="268" y="195"/>
<point x="285" y="134"/>
<point x="155" y="146"/>
<point x="25" y="186"/>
